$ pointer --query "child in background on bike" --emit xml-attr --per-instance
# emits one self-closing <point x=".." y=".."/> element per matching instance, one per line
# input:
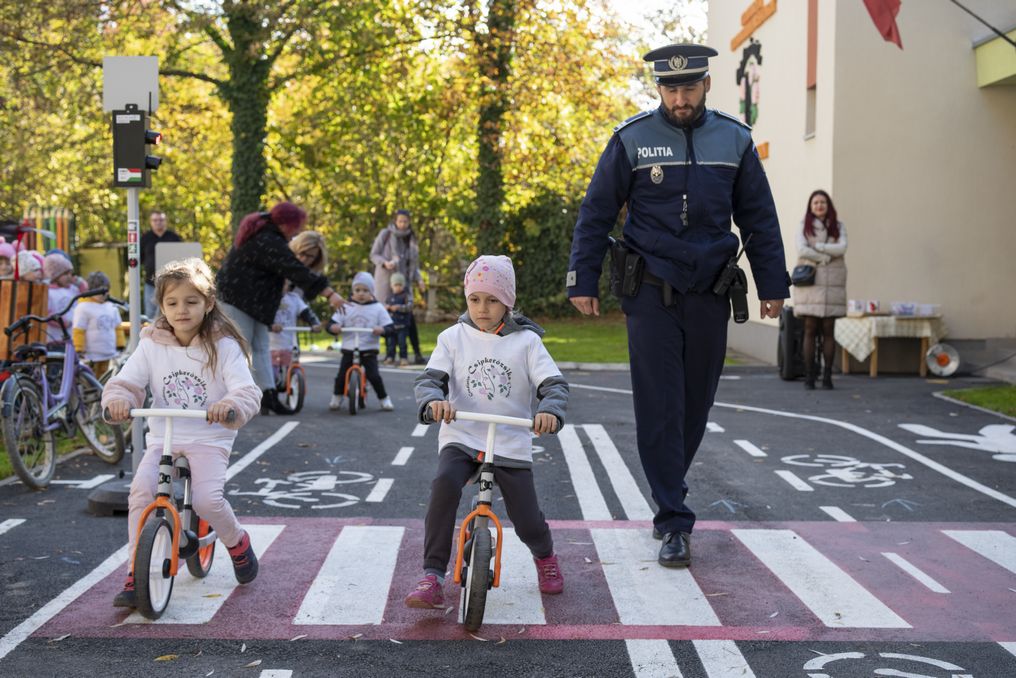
<point x="492" y="362"/>
<point x="291" y="309"/>
<point x="97" y="334"/>
<point x="7" y="254"/>
<point x="59" y="270"/>
<point x="399" y="305"/>
<point x="361" y="310"/>
<point x="191" y="357"/>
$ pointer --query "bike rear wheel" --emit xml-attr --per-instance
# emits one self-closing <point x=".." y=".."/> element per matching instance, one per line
<point x="354" y="391"/>
<point x="200" y="563"/>
<point x="477" y="581"/>
<point x="296" y="389"/>
<point x="106" y="440"/>
<point x="31" y="448"/>
<point x="153" y="583"/>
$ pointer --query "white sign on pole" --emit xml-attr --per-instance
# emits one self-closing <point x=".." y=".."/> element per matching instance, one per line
<point x="168" y="252"/>
<point x="130" y="80"/>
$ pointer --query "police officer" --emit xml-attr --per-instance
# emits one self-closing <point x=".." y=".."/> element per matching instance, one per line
<point x="683" y="171"/>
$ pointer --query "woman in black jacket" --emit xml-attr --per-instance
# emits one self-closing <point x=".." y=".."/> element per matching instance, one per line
<point x="251" y="279"/>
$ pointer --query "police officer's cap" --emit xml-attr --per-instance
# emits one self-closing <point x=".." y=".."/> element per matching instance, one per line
<point x="680" y="64"/>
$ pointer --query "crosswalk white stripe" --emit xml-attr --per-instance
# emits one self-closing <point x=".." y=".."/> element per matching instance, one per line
<point x="915" y="572"/>
<point x="646" y="595"/>
<point x="995" y="545"/>
<point x="838" y="514"/>
<point x="402" y="457"/>
<point x="195" y="601"/>
<point x="632" y="500"/>
<point x="276" y="673"/>
<point x="420" y="430"/>
<point x="343" y="592"/>
<point x="831" y="594"/>
<point x="517" y="600"/>
<point x="10" y="524"/>
<point x="652" y="659"/>
<point x="587" y="491"/>
<point x="380" y="490"/>
<point x="1009" y="647"/>
<point x="722" y="659"/>
<point x="713" y="427"/>
<point x="748" y="447"/>
<point x="794" y="481"/>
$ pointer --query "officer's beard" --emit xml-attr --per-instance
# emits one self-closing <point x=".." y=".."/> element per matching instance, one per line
<point x="687" y="119"/>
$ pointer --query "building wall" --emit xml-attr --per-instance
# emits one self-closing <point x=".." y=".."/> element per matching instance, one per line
<point x="919" y="160"/>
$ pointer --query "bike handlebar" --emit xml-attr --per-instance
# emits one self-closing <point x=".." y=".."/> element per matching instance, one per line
<point x="169" y="412"/>
<point x="21" y="322"/>
<point x="357" y="329"/>
<point x="494" y="419"/>
<point x="296" y="329"/>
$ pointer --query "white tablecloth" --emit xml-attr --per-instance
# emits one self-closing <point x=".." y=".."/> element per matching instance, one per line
<point x="857" y="335"/>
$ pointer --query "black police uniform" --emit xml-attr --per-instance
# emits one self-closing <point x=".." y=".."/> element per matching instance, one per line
<point x="682" y="185"/>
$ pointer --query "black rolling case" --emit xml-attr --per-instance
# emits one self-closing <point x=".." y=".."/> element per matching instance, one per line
<point x="789" y="346"/>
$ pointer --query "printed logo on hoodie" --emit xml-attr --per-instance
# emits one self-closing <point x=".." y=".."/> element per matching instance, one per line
<point x="488" y="377"/>
<point x="185" y="390"/>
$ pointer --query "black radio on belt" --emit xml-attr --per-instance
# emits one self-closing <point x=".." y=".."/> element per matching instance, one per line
<point x="626" y="267"/>
<point x="733" y="282"/>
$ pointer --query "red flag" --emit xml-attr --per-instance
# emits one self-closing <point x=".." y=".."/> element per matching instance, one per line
<point x="883" y="13"/>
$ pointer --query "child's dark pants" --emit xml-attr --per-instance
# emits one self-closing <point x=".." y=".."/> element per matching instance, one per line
<point x="368" y="360"/>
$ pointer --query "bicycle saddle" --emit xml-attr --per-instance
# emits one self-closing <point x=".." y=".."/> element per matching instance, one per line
<point x="30" y="351"/>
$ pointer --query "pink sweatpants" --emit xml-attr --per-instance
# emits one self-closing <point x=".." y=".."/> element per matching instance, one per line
<point x="208" y="477"/>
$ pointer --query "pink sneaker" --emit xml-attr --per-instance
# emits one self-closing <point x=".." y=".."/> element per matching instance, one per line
<point x="427" y="595"/>
<point x="549" y="573"/>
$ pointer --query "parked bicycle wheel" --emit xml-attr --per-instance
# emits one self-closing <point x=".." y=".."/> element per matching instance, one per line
<point x="354" y="391"/>
<point x="296" y="390"/>
<point x="200" y="563"/>
<point x="153" y="583"/>
<point x="478" y="579"/>
<point x="106" y="440"/>
<point x="31" y="448"/>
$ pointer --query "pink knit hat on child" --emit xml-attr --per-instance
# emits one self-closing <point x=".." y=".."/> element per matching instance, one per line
<point x="55" y="265"/>
<point x="494" y="275"/>
<point x="7" y="250"/>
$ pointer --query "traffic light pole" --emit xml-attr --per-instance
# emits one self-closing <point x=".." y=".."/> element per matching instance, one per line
<point x="136" y="294"/>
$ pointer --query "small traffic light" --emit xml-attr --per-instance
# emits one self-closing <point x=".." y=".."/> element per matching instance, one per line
<point x="132" y="166"/>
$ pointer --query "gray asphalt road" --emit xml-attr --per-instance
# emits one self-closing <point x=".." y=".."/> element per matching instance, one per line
<point x="846" y="533"/>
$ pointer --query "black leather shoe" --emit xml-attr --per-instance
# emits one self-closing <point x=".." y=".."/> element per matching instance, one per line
<point x="676" y="550"/>
<point x="657" y="535"/>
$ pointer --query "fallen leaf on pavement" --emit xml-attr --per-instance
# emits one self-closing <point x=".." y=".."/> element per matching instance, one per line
<point x="397" y="642"/>
<point x="256" y="662"/>
<point x="478" y="637"/>
<point x="167" y="657"/>
<point x="302" y="635"/>
<point x="57" y="640"/>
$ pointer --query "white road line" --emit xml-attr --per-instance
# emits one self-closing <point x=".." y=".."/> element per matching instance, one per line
<point x="911" y="569"/>
<point x="380" y="490"/>
<point x="1009" y="647"/>
<point x="882" y="440"/>
<point x="276" y="673"/>
<point x="652" y="659"/>
<point x="249" y="458"/>
<point x="403" y="456"/>
<point x="722" y="659"/>
<point x="340" y="593"/>
<point x="647" y="595"/>
<point x="22" y="631"/>
<point x="838" y="514"/>
<point x="196" y="601"/>
<point x="750" y="449"/>
<point x="831" y="594"/>
<point x="587" y="491"/>
<point x="713" y="427"/>
<point x="995" y="545"/>
<point x="85" y="484"/>
<point x="10" y="524"/>
<point x="19" y="633"/>
<point x="517" y="600"/>
<point x="794" y="481"/>
<point x="632" y="500"/>
<point x="420" y="430"/>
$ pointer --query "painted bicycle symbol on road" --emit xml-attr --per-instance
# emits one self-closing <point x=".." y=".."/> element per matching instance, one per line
<point x="843" y="471"/>
<point x="308" y="489"/>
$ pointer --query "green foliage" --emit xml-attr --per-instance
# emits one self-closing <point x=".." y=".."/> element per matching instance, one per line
<point x="1001" y="399"/>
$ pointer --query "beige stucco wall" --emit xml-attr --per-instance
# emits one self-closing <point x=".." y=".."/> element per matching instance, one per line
<point x="919" y="161"/>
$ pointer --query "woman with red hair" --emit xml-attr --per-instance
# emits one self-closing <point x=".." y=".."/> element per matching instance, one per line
<point x="821" y="242"/>
<point x="251" y="280"/>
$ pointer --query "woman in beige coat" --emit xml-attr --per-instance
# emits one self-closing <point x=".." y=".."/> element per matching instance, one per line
<point x="821" y="242"/>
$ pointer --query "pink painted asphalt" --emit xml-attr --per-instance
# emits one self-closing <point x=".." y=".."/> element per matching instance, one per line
<point x="742" y="591"/>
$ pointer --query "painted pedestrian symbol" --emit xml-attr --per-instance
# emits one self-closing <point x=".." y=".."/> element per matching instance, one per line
<point x="843" y="471"/>
<point x="844" y="664"/>
<point x="998" y="439"/>
<point x="307" y="489"/>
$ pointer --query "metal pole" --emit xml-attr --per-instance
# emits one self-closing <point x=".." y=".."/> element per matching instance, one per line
<point x="136" y="292"/>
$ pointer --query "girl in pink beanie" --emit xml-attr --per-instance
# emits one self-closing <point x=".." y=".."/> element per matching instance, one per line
<point x="7" y="255"/>
<point x="492" y="361"/>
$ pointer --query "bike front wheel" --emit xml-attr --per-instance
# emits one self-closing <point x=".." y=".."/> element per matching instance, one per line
<point x="354" y="391"/>
<point x="478" y="579"/>
<point x="31" y="448"/>
<point x="106" y="440"/>
<point x="200" y="563"/>
<point x="153" y="582"/>
<point x="296" y="389"/>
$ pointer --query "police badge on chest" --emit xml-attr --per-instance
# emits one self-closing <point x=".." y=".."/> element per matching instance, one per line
<point x="656" y="174"/>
